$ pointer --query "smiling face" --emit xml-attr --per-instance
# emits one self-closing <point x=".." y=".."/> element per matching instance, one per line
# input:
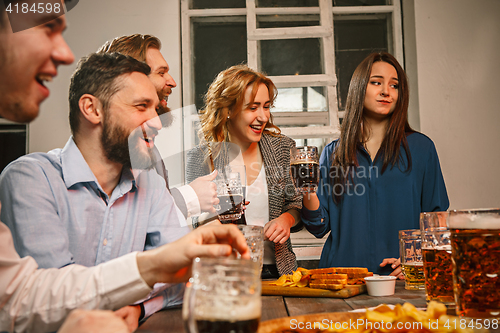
<point x="29" y="59"/>
<point x="131" y="123"/>
<point x="382" y="91"/>
<point x="246" y="126"/>
<point x="163" y="82"/>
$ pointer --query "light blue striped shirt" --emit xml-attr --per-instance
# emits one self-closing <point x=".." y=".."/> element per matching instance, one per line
<point x="59" y="214"/>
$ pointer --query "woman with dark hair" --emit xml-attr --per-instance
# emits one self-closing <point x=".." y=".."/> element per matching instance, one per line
<point x="377" y="177"/>
<point x="237" y="118"/>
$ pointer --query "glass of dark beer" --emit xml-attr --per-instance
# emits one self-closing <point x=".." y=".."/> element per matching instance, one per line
<point x="231" y="185"/>
<point x="224" y="296"/>
<point x="410" y="251"/>
<point x="475" y="243"/>
<point x="304" y="168"/>
<point x="436" y="253"/>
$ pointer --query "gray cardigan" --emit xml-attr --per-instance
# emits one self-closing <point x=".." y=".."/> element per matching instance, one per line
<point x="275" y="152"/>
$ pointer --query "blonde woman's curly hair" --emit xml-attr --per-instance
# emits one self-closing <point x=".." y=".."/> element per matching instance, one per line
<point x="225" y="97"/>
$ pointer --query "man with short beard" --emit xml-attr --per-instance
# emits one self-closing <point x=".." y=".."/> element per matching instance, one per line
<point x="201" y="194"/>
<point x="84" y="204"/>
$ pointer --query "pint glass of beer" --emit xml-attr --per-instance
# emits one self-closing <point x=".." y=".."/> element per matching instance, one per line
<point x="231" y="184"/>
<point x="475" y="242"/>
<point x="436" y="253"/>
<point x="304" y="168"/>
<point x="254" y="236"/>
<point x="410" y="251"/>
<point x="223" y="296"/>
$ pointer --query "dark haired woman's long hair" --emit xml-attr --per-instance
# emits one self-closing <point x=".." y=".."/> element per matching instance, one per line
<point x="353" y="133"/>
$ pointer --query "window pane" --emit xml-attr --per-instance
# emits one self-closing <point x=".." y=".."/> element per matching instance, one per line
<point x="311" y="99"/>
<point x="13" y="138"/>
<point x="291" y="56"/>
<point x="287" y="3"/>
<point x="341" y="3"/>
<point x="285" y="21"/>
<point x="204" y="4"/>
<point x="212" y="54"/>
<point x="354" y="40"/>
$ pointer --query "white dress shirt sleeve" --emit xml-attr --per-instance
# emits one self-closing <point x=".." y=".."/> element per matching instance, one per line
<point x="34" y="299"/>
<point x="191" y="199"/>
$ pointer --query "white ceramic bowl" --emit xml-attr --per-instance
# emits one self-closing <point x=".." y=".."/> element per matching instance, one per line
<point x="380" y="285"/>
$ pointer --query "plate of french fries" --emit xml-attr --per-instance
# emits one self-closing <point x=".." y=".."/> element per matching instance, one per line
<point x="382" y="319"/>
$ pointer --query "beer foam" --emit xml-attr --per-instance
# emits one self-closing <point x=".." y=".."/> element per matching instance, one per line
<point x="244" y="308"/>
<point x="475" y="221"/>
<point x="418" y="263"/>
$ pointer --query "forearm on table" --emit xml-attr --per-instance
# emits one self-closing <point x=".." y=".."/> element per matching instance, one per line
<point x="42" y="298"/>
<point x="171" y="296"/>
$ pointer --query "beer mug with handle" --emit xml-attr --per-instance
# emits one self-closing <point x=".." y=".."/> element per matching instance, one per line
<point x="231" y="187"/>
<point x="304" y="168"/>
<point x="223" y="296"/>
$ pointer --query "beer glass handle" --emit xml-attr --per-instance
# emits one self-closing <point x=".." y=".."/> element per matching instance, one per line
<point x="188" y="309"/>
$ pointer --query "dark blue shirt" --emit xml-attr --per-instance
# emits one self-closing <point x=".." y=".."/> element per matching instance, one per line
<point x="364" y="225"/>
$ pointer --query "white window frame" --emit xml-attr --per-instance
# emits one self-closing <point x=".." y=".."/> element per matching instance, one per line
<point x="325" y="31"/>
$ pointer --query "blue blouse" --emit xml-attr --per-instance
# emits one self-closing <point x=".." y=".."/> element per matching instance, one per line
<point x="364" y="225"/>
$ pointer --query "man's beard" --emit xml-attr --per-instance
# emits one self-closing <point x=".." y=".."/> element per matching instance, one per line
<point x="163" y="112"/>
<point x="115" y="142"/>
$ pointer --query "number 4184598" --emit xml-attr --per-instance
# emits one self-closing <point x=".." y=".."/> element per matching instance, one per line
<point x="463" y="323"/>
<point x="35" y="8"/>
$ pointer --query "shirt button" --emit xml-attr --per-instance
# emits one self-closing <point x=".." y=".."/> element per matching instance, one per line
<point x="105" y="242"/>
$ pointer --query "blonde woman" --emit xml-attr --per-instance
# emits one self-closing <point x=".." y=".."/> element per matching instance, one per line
<point x="237" y="113"/>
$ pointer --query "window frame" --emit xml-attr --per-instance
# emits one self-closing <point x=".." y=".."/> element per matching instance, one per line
<point x="325" y="31"/>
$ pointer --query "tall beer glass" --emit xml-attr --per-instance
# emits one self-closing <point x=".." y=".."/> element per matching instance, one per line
<point x="224" y="296"/>
<point x="475" y="242"/>
<point x="304" y="168"/>
<point x="231" y="186"/>
<point x="436" y="253"/>
<point x="410" y="251"/>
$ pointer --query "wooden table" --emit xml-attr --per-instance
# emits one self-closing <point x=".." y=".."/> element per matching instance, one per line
<point x="278" y="306"/>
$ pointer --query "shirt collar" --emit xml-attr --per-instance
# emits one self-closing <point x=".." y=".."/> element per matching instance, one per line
<point x="74" y="167"/>
<point x="76" y="170"/>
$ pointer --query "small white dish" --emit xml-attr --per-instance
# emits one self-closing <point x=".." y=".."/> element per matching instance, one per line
<point x="380" y="285"/>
